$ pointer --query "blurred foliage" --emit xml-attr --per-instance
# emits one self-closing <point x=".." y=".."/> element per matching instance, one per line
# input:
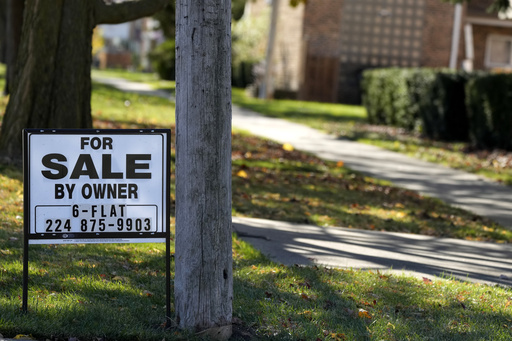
<point x="489" y="101"/>
<point x="98" y="42"/>
<point x="249" y="36"/>
<point x="163" y="60"/>
<point x="495" y="6"/>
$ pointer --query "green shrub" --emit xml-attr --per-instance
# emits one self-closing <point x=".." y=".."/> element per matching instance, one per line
<point x="163" y="60"/>
<point x="395" y="98"/>
<point x="371" y="86"/>
<point x="425" y="99"/>
<point x="419" y="85"/>
<point x="392" y="96"/>
<point x="489" y="104"/>
<point x="443" y="113"/>
<point x="242" y="74"/>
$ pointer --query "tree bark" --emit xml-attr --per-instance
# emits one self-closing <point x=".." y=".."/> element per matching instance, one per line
<point x="52" y="83"/>
<point x="13" y="26"/>
<point x="126" y="11"/>
<point x="3" y="29"/>
<point x="203" y="261"/>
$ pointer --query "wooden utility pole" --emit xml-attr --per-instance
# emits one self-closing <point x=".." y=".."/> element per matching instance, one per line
<point x="203" y="283"/>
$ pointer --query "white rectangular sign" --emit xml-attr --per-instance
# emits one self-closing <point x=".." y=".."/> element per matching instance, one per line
<point x="96" y="186"/>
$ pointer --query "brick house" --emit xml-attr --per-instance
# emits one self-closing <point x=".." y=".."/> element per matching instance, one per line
<point x="341" y="38"/>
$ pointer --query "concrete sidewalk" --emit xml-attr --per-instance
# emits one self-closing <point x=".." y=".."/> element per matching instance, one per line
<point x="416" y="255"/>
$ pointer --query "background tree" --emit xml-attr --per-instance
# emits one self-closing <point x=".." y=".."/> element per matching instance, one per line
<point x="52" y="86"/>
<point x="203" y="285"/>
<point x="3" y="24"/>
<point x="12" y="34"/>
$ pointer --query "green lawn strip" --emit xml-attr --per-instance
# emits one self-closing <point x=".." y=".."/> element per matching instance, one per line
<point x="112" y="107"/>
<point x="350" y="122"/>
<point x="271" y="182"/>
<point x="316" y="303"/>
<point x="149" y="78"/>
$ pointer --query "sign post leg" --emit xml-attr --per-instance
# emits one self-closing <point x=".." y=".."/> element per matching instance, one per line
<point x="24" y="304"/>
<point x="168" y="277"/>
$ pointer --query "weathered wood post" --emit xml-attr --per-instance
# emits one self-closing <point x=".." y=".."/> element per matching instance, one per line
<point x="203" y="280"/>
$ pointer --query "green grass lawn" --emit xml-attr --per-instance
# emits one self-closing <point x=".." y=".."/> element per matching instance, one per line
<point x="117" y="291"/>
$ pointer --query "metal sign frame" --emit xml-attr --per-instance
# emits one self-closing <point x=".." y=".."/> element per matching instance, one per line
<point x="96" y="186"/>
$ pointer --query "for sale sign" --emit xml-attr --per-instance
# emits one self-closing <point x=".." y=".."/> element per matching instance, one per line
<point x="96" y="186"/>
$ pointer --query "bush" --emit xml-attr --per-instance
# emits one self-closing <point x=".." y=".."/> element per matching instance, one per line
<point x="443" y="112"/>
<point x="393" y="96"/>
<point x="371" y="85"/>
<point x="395" y="99"/>
<point x="489" y="104"/>
<point x="419" y="85"/>
<point x="163" y="60"/>
<point x="425" y="99"/>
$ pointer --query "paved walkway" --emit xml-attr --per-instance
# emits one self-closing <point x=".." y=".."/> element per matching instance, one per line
<point x="421" y="255"/>
<point x="417" y="255"/>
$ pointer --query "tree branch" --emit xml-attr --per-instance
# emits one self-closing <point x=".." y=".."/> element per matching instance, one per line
<point x="117" y="13"/>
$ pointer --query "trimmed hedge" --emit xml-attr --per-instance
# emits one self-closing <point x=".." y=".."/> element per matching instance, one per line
<point x="443" y="113"/>
<point x="425" y="99"/>
<point x="371" y="86"/>
<point x="394" y="96"/>
<point x="489" y="104"/>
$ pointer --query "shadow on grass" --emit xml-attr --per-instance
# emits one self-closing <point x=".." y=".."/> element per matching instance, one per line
<point x="114" y="292"/>
<point x="313" y="302"/>
<point x="85" y="291"/>
<point x="11" y="172"/>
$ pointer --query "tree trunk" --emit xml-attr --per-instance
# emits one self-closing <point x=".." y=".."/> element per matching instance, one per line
<point x="203" y="279"/>
<point x="52" y="83"/>
<point x="3" y="28"/>
<point x="13" y="26"/>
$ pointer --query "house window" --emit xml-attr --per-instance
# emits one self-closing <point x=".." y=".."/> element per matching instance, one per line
<point x="499" y="51"/>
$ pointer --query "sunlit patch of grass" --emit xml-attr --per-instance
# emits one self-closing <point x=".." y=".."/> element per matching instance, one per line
<point x="112" y="108"/>
<point x="142" y="77"/>
<point x="315" y="114"/>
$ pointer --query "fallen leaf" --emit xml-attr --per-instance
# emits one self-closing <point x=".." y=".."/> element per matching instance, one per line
<point x="363" y="313"/>
<point x="288" y="147"/>
<point x="242" y="174"/>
